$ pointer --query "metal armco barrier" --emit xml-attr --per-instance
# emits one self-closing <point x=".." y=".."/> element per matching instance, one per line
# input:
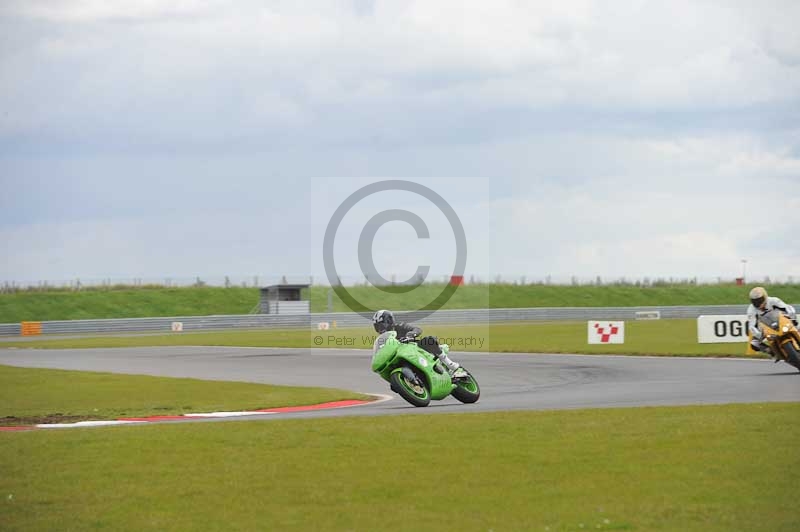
<point x="350" y="319"/>
<point x="10" y="329"/>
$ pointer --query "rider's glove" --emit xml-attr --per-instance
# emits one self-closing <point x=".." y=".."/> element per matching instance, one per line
<point x="407" y="338"/>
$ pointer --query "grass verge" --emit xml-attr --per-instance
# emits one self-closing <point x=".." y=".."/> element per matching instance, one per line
<point x="658" y="337"/>
<point x="126" y="302"/>
<point x="702" y="468"/>
<point x="30" y="396"/>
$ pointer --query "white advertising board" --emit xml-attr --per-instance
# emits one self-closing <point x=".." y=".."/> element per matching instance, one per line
<point x="728" y="328"/>
<point x="606" y="332"/>
<point x="177" y="326"/>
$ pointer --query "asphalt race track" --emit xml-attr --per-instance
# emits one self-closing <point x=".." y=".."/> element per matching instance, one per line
<point x="508" y="381"/>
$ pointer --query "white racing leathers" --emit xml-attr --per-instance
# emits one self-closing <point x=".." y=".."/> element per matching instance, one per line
<point x="753" y="314"/>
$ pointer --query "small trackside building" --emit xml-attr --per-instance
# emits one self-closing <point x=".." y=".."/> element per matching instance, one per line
<point x="284" y="299"/>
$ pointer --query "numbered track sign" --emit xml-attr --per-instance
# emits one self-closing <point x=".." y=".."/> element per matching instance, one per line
<point x="726" y="328"/>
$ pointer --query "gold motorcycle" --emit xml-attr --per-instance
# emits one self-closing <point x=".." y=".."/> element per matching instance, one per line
<point x="781" y="336"/>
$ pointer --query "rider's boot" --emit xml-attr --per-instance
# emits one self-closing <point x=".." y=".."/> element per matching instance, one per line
<point x="451" y="365"/>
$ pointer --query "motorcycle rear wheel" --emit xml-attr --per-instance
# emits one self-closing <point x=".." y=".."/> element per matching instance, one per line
<point x="416" y="393"/>
<point x="467" y="389"/>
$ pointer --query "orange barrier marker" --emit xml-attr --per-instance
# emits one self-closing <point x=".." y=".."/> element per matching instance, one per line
<point x="31" y="328"/>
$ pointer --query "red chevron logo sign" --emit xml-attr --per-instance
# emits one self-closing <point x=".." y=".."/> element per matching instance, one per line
<point x="606" y="332"/>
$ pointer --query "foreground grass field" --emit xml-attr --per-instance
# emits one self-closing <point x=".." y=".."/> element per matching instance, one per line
<point x="147" y="302"/>
<point x="30" y="396"/>
<point x="658" y="337"/>
<point x="706" y="468"/>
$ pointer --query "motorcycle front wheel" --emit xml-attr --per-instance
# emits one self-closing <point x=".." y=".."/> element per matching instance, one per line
<point x="792" y="356"/>
<point x="411" y="386"/>
<point x="467" y="389"/>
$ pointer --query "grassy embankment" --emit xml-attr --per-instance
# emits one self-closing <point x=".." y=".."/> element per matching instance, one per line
<point x="703" y="468"/>
<point x="149" y="302"/>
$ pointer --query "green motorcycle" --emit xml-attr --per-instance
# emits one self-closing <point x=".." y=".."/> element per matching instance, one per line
<point x="418" y="376"/>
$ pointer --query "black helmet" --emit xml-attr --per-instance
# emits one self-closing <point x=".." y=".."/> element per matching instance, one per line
<point x="758" y="296"/>
<point x="383" y="320"/>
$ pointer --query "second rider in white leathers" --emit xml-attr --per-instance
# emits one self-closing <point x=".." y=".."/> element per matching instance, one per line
<point x="761" y="304"/>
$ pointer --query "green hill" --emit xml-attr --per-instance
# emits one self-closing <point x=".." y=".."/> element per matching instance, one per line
<point x="128" y="302"/>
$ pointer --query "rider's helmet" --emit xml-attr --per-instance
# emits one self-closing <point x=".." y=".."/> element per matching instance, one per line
<point x="758" y="297"/>
<point x="383" y="320"/>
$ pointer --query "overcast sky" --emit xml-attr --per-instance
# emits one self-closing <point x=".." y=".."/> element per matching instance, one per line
<point x="207" y="138"/>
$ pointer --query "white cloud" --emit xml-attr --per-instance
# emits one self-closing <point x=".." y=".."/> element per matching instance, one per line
<point x="591" y="138"/>
<point x="100" y="10"/>
<point x="644" y="55"/>
<point x="204" y="243"/>
<point x="687" y="207"/>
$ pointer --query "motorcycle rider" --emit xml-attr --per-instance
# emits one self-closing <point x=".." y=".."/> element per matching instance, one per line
<point x="384" y="321"/>
<point x="761" y="304"/>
